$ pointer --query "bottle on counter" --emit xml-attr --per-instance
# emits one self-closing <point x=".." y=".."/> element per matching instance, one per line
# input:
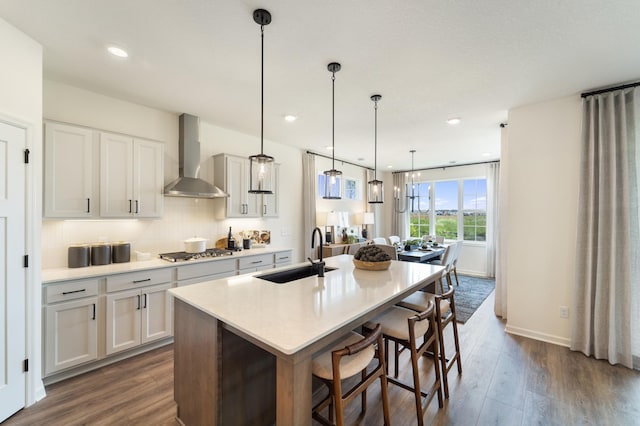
<point x="231" y="243"/>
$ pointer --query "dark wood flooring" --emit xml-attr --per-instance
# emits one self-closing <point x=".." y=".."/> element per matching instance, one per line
<point x="506" y="380"/>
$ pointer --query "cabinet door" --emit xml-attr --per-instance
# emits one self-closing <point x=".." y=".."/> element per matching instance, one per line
<point x="240" y="203"/>
<point x="68" y="171"/>
<point x="156" y="313"/>
<point x="123" y="320"/>
<point x="148" y="178"/>
<point x="270" y="202"/>
<point x="116" y="180"/>
<point x="71" y="331"/>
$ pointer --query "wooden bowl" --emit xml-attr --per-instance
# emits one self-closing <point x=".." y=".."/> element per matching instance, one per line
<point x="372" y="266"/>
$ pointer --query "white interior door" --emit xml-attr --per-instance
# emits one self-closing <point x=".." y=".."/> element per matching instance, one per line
<point x="12" y="275"/>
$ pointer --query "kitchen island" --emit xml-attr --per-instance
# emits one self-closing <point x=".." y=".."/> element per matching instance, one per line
<point x="243" y="345"/>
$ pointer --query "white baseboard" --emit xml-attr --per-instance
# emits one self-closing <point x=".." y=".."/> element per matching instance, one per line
<point x="40" y="392"/>
<point x="556" y="340"/>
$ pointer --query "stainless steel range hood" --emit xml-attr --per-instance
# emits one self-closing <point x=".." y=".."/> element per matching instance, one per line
<point x="188" y="184"/>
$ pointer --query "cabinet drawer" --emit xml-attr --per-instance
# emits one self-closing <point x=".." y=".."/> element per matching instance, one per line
<point x="202" y="279"/>
<point x="138" y="279"/>
<point x="255" y="261"/>
<point x="71" y="290"/>
<point x="202" y="269"/>
<point x="282" y="257"/>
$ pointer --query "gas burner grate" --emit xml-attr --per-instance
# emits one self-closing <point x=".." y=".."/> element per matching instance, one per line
<point x="183" y="256"/>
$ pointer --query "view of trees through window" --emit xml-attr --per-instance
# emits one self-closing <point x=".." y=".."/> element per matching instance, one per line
<point x="457" y="208"/>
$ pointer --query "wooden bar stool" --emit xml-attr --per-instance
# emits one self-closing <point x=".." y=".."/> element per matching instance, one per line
<point x="404" y="327"/>
<point x="345" y="359"/>
<point x="445" y="308"/>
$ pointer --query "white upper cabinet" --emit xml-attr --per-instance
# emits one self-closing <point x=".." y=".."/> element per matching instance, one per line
<point x="69" y="172"/>
<point x="231" y="173"/>
<point x="131" y="176"/>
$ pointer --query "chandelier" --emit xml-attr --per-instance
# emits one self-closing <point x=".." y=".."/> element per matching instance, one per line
<point x="410" y="197"/>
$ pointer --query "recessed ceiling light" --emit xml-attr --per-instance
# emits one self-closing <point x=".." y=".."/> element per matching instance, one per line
<point x="389" y="166"/>
<point x="452" y="162"/>
<point x="486" y="154"/>
<point x="290" y="118"/>
<point x="329" y="148"/>
<point x="453" y="120"/>
<point x="360" y="159"/>
<point x="117" y="51"/>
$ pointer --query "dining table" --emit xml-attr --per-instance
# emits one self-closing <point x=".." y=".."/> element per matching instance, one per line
<point x="421" y="255"/>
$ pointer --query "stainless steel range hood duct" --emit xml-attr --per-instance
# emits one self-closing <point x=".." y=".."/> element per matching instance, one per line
<point x="188" y="184"/>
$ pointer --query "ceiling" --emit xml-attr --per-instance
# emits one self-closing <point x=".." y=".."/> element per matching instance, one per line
<point x="430" y="60"/>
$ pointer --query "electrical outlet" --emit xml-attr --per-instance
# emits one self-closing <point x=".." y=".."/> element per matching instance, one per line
<point x="564" y="312"/>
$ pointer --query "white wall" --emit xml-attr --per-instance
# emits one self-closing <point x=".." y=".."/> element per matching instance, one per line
<point x="183" y="217"/>
<point x="543" y="158"/>
<point x="21" y="103"/>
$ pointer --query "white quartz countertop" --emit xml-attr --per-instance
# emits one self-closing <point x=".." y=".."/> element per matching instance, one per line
<point x="64" y="274"/>
<point x="289" y="317"/>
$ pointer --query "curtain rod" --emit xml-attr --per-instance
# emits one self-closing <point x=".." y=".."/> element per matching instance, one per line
<point x="447" y="167"/>
<point x="610" y="89"/>
<point x="342" y="161"/>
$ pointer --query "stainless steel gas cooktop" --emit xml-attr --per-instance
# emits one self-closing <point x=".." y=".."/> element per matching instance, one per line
<point x="181" y="256"/>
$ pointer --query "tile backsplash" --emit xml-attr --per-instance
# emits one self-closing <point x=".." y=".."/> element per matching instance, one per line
<point x="183" y="218"/>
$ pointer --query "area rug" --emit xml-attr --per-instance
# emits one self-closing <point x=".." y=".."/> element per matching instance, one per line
<point x="470" y="294"/>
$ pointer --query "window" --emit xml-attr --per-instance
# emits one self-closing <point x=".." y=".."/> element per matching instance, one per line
<point x="446" y="209"/>
<point x="456" y="209"/>
<point x="352" y="189"/>
<point x="321" y="179"/>
<point x="475" y="209"/>
<point x="419" y="219"/>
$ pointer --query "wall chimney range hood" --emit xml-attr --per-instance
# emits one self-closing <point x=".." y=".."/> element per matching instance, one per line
<point x="188" y="184"/>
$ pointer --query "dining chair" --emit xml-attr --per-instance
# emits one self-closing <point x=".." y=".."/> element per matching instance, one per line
<point x="439" y="239"/>
<point x="445" y="260"/>
<point x="394" y="239"/>
<point x="454" y="261"/>
<point x="380" y="240"/>
<point x="445" y="308"/>
<point x="353" y="248"/>
<point x="345" y="359"/>
<point x="390" y="250"/>
<point x="404" y="327"/>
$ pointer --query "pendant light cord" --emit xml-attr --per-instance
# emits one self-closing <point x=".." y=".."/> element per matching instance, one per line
<point x="333" y="120"/>
<point x="375" y="143"/>
<point x="262" y="90"/>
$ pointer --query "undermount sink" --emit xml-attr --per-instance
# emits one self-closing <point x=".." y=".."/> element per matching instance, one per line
<point x="293" y="274"/>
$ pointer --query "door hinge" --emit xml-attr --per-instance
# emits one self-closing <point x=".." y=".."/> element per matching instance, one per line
<point x="26" y="156"/>
<point x="25" y="261"/>
<point x="25" y="365"/>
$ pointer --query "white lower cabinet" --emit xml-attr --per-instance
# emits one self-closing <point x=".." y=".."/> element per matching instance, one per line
<point x="137" y="316"/>
<point x="71" y="334"/>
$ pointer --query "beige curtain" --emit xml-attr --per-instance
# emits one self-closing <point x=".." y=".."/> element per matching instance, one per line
<point x="493" y="182"/>
<point x="309" y="201"/>
<point x="500" y="304"/>
<point x="400" y="221"/>
<point x="607" y="255"/>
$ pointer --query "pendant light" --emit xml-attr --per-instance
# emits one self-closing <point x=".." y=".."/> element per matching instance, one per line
<point x="332" y="180"/>
<point x="261" y="165"/>
<point x="376" y="190"/>
<point x="410" y="197"/>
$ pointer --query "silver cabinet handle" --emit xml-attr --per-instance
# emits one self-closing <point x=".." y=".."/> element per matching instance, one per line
<point x="144" y="305"/>
<point x="130" y="209"/>
<point x="138" y="296"/>
<point x="141" y="281"/>
<point x="88" y="205"/>
<point x="94" y="312"/>
<point x="137" y="207"/>
<point x="264" y="209"/>
<point x="256" y="262"/>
